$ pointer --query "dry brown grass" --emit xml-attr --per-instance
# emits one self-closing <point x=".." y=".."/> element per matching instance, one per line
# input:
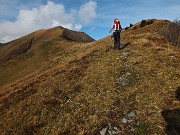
<point x="35" y="51"/>
<point x="81" y="89"/>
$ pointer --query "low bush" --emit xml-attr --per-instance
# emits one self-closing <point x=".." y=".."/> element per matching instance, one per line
<point x="145" y="23"/>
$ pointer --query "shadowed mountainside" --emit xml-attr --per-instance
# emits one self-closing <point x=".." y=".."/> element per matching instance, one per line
<point x="70" y="87"/>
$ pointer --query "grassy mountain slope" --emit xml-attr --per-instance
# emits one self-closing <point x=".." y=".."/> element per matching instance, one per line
<point x="90" y="88"/>
<point x="35" y="51"/>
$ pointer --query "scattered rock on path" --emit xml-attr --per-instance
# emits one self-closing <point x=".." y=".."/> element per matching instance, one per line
<point x="109" y="130"/>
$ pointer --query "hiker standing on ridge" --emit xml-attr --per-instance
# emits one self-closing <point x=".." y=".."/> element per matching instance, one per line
<point x="117" y="29"/>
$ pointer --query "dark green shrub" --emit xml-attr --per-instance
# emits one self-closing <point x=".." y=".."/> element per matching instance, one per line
<point x="130" y="25"/>
<point x="126" y="28"/>
<point x="145" y="23"/>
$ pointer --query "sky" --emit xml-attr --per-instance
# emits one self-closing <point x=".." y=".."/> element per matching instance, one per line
<point x="94" y="17"/>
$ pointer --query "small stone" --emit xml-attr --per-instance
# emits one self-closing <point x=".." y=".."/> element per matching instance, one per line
<point x="124" y="121"/>
<point x="132" y="129"/>
<point x="131" y="114"/>
<point x="129" y="121"/>
<point x="124" y="54"/>
<point x="115" y="128"/>
<point x="128" y="74"/>
<point x="110" y="130"/>
<point x="104" y="131"/>
<point x="68" y="101"/>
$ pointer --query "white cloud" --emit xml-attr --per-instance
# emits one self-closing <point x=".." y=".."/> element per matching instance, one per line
<point x="55" y="23"/>
<point x="92" y="28"/>
<point x="87" y="12"/>
<point x="46" y="16"/>
<point x="77" y="27"/>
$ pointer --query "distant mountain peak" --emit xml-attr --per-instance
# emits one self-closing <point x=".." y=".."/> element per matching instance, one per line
<point x="22" y="45"/>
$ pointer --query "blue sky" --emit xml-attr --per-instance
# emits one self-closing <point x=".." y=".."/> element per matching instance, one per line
<point x="94" y="17"/>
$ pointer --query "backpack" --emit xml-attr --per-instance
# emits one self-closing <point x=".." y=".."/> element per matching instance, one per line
<point x="116" y="25"/>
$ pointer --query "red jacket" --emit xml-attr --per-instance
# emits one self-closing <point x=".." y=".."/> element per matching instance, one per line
<point x="116" y="25"/>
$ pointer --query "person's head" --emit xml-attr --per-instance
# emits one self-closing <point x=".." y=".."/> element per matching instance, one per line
<point x="116" y="20"/>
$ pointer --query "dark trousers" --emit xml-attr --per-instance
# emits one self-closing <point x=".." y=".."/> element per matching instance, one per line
<point x="116" y="35"/>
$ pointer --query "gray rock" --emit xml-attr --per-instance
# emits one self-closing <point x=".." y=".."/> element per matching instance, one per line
<point x="132" y="129"/>
<point x="129" y="121"/>
<point x="131" y="114"/>
<point x="124" y="121"/>
<point x="109" y="130"/>
<point x="128" y="73"/>
<point x="125" y="54"/>
<point x="104" y="131"/>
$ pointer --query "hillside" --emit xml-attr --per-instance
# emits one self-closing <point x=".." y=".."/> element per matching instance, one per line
<point x="70" y="87"/>
<point x="37" y="50"/>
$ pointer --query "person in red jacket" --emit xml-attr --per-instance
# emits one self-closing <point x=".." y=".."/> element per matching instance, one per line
<point x="117" y="29"/>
